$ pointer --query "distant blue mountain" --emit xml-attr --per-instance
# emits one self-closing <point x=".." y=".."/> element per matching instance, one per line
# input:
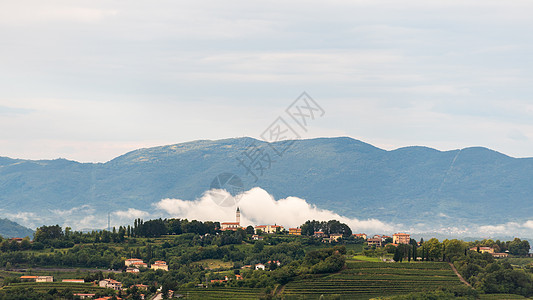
<point x="407" y="185"/>
<point x="10" y="229"/>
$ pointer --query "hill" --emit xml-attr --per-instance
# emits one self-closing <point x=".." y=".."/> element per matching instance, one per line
<point x="408" y="185"/>
<point x="10" y="229"/>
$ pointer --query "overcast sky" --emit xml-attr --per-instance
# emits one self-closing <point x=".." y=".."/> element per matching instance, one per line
<point x="90" y="80"/>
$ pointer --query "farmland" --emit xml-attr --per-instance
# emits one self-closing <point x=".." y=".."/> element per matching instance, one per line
<point x="365" y="280"/>
<point x="359" y="280"/>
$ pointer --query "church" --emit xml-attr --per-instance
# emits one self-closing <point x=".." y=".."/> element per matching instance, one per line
<point x="232" y="225"/>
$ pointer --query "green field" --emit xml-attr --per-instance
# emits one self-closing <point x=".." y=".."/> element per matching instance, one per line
<point x="213" y="264"/>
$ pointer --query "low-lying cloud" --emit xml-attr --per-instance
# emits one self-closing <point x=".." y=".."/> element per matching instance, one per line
<point x="513" y="228"/>
<point x="258" y="207"/>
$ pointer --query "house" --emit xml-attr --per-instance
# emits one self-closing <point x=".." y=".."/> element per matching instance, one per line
<point x="500" y="255"/>
<point x="159" y="265"/>
<point x="256" y="237"/>
<point x="232" y="225"/>
<point x="28" y="278"/>
<point x="483" y="249"/>
<point x="401" y="238"/>
<point x="132" y="261"/>
<point x="274" y="262"/>
<point x="259" y="267"/>
<point x="37" y="278"/>
<point x="246" y="267"/>
<point x="295" y="231"/>
<point x="111" y="284"/>
<point x="335" y="237"/>
<point x="139" y="265"/>
<point x="73" y="280"/>
<point x="142" y="287"/>
<point x="218" y="280"/>
<point x="360" y="235"/>
<point x="319" y="234"/>
<point x="268" y="228"/>
<point x="45" y="279"/>
<point x="107" y="298"/>
<point x="85" y="296"/>
<point x="238" y="277"/>
<point x="18" y="240"/>
<point x="374" y="242"/>
<point x="132" y="270"/>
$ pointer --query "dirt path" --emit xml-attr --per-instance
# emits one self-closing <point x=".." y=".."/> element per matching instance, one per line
<point x="459" y="275"/>
<point x="279" y="291"/>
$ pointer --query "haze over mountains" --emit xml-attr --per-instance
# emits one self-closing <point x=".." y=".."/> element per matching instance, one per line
<point x="414" y="186"/>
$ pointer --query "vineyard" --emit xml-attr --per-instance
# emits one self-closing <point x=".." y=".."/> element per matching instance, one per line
<point x="365" y="280"/>
<point x="238" y="293"/>
<point x="360" y="280"/>
<point x="59" y="286"/>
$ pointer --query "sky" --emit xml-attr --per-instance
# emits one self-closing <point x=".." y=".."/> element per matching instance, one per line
<point x="91" y="80"/>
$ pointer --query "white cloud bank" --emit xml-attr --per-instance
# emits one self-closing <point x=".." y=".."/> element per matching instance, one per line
<point x="514" y="228"/>
<point x="258" y="207"/>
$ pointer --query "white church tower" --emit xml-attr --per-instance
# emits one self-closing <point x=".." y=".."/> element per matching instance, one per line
<point x="238" y="216"/>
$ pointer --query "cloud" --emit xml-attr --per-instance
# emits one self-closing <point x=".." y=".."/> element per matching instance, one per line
<point x="28" y="219"/>
<point x="131" y="61"/>
<point x="131" y="213"/>
<point x="509" y="228"/>
<point x="85" y="209"/>
<point x="258" y="207"/>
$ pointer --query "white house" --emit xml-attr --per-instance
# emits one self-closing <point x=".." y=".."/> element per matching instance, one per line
<point x="159" y="265"/>
<point x="111" y="284"/>
<point x="269" y="228"/>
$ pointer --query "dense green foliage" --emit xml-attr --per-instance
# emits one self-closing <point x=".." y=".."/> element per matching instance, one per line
<point x="493" y="276"/>
<point x="327" y="227"/>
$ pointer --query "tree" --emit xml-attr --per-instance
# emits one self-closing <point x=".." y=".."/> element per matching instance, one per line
<point x="519" y="247"/>
<point x="453" y="249"/>
<point x="250" y="229"/>
<point x="258" y="246"/>
<point x="433" y="249"/>
<point x="397" y="255"/>
<point x="46" y="234"/>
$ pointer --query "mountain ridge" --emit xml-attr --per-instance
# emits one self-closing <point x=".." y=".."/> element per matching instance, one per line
<point x="348" y="176"/>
